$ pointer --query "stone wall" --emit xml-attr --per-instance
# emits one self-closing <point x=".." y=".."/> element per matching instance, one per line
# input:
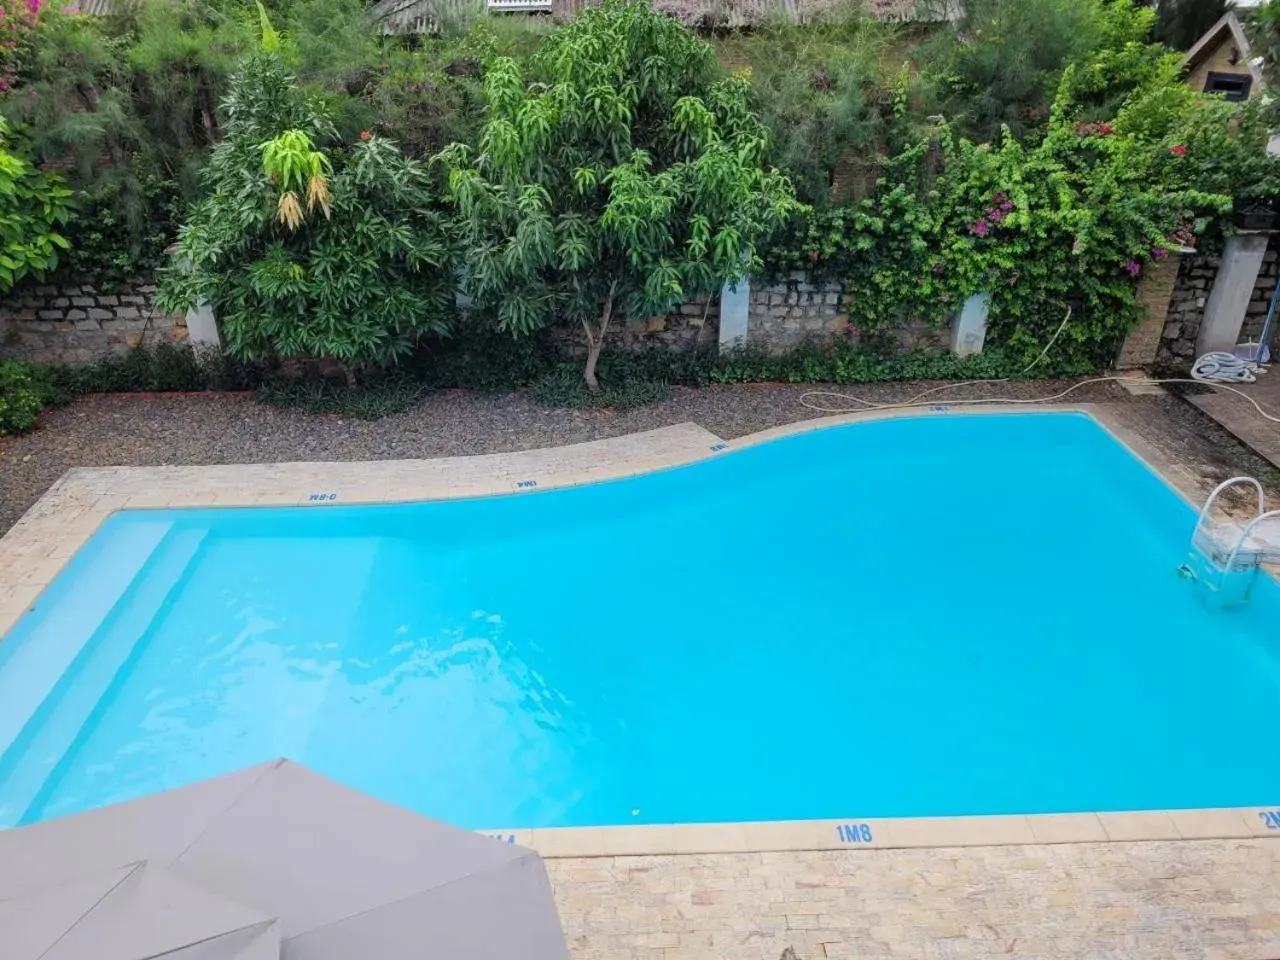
<point x="76" y="321"/>
<point x="792" y="312"/>
<point x="780" y="316"/>
<point x="1190" y="294"/>
<point x="690" y="326"/>
<point x="1261" y="299"/>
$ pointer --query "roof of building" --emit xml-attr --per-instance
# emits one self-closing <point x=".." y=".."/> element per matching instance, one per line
<point x="1227" y="28"/>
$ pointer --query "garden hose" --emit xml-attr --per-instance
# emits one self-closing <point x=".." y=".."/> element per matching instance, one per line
<point x="1212" y="369"/>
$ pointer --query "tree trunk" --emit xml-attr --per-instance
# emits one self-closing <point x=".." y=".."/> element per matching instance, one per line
<point x="589" y="371"/>
<point x="595" y="341"/>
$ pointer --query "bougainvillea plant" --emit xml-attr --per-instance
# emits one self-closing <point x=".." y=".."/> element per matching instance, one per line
<point x="1071" y="220"/>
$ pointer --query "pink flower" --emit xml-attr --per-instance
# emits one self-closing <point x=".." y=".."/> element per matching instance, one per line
<point x="1178" y="151"/>
<point x="1105" y="130"/>
<point x="1133" y="268"/>
<point x="980" y="229"/>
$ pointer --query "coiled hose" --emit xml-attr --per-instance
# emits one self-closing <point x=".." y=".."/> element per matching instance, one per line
<point x="1220" y="367"/>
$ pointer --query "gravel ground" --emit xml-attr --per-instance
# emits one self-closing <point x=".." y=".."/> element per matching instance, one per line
<point x="173" y="429"/>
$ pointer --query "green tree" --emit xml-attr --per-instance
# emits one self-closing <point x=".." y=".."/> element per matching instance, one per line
<point x="305" y="252"/>
<point x="623" y="177"/>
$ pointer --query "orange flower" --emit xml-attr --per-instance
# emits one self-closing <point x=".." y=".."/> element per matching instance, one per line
<point x="366" y="135"/>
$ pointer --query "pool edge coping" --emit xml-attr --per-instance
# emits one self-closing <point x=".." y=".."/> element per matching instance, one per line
<point x="895" y="833"/>
<point x="35" y="550"/>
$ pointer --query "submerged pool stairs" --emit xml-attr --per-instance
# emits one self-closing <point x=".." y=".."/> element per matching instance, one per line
<point x="1226" y="553"/>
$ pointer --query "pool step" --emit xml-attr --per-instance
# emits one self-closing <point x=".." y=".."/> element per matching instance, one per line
<point x="57" y="713"/>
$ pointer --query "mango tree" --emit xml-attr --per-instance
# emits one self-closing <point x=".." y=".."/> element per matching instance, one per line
<point x="621" y="177"/>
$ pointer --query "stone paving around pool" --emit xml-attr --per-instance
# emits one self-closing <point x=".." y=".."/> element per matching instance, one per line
<point x="1217" y="900"/>
<point x="915" y="890"/>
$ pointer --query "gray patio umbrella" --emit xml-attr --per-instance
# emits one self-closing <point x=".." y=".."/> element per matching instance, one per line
<point x="270" y="862"/>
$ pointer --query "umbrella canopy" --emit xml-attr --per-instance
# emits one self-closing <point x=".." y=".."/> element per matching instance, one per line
<point x="272" y="861"/>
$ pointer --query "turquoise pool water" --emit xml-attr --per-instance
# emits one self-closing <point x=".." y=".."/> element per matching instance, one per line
<point x="931" y="616"/>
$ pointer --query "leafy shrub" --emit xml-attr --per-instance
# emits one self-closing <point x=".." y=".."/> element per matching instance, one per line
<point x="378" y="397"/>
<point x="162" y="368"/>
<point x="33" y="207"/>
<point x="125" y="106"/>
<point x="564" y="387"/>
<point x="476" y="357"/>
<point x="21" y="397"/>
<point x="308" y="253"/>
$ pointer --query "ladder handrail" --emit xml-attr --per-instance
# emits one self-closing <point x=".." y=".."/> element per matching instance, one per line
<point x="1208" y="504"/>
<point x="1248" y="529"/>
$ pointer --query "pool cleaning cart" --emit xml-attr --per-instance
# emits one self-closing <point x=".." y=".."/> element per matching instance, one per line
<point x="1226" y="553"/>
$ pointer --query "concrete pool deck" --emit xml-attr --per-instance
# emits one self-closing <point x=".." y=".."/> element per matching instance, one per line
<point x="1116" y="884"/>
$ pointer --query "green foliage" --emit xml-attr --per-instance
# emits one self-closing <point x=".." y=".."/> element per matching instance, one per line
<point x="625" y="179"/>
<point x="21" y="397"/>
<point x="1001" y="63"/>
<point x="33" y="208"/>
<point x="164" y="368"/>
<point x="632" y="379"/>
<point x="125" y="104"/>
<point x="300" y="263"/>
<point x="564" y="387"/>
<point x="824" y="95"/>
<point x="839" y="361"/>
<point x="1070" y="221"/>
<point x="476" y="357"/>
<point x="1263" y="28"/>
<point x="374" y="399"/>
<point x="1180" y="23"/>
<point x="17" y="25"/>
<point x="105" y="246"/>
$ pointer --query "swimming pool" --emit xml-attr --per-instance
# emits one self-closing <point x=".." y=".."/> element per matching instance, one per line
<point x="927" y="616"/>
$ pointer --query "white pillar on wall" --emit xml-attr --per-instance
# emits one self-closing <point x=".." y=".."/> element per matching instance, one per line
<point x="202" y="327"/>
<point x="1232" y="290"/>
<point x="735" y="302"/>
<point x="969" y="329"/>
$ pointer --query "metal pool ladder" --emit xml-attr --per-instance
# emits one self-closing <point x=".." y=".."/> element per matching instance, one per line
<point x="1228" y="552"/>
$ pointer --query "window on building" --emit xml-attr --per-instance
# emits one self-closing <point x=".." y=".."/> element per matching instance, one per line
<point x="1232" y="86"/>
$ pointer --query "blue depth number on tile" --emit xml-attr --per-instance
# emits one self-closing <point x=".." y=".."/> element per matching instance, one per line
<point x="853" y="833"/>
